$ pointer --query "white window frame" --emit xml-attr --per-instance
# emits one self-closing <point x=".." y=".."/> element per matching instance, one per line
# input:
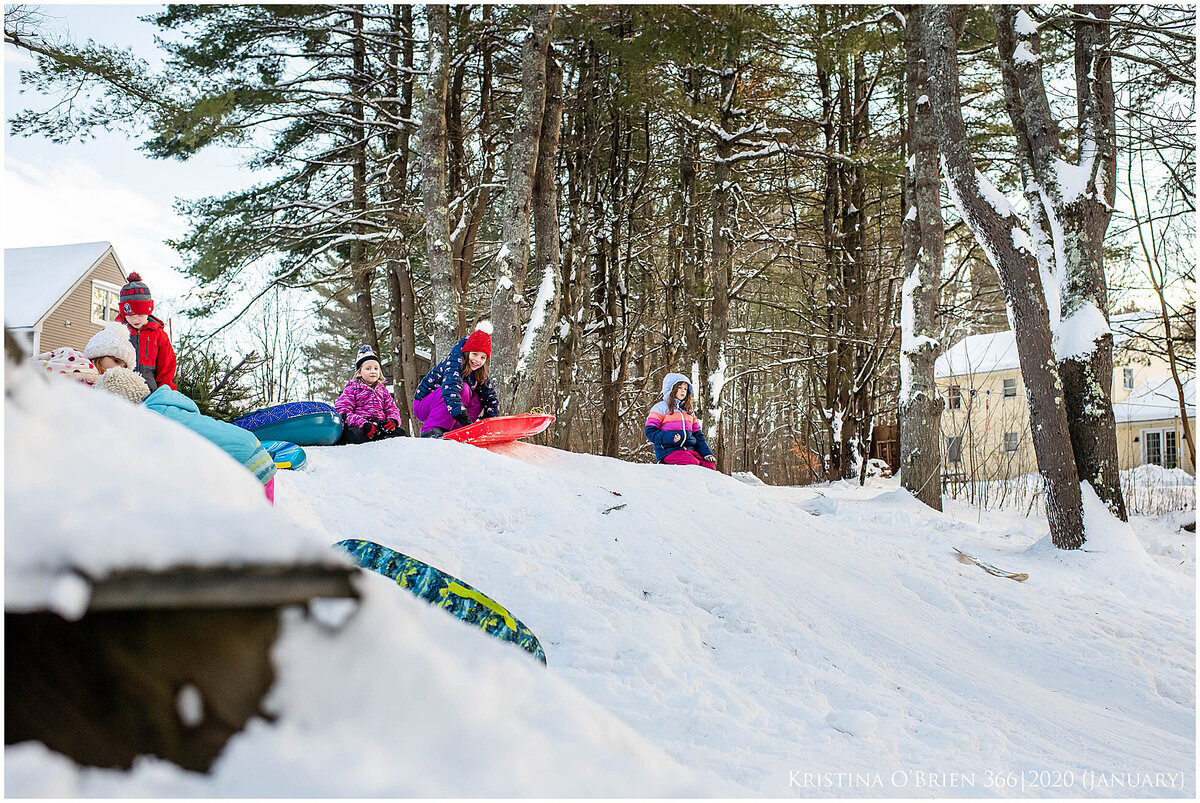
<point x="1161" y="432"/>
<point x="954" y="397"/>
<point x="1004" y="388"/>
<point x="1016" y="442"/>
<point x="1127" y="377"/>
<point x="107" y="287"/>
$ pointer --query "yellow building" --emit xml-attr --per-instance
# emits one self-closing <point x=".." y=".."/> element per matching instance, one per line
<point x="60" y="295"/>
<point x="985" y="425"/>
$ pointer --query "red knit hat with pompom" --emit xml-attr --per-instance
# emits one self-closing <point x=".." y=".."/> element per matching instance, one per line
<point x="478" y="340"/>
<point x="135" y="297"/>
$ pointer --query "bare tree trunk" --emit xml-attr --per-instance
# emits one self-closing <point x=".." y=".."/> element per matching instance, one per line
<point x="999" y="233"/>
<point x="692" y="241"/>
<point x="712" y="377"/>
<point x="446" y="299"/>
<point x="1158" y="280"/>
<point x="576" y="281"/>
<point x="513" y="260"/>
<point x="836" y="384"/>
<point x="534" y="346"/>
<point x="923" y="228"/>
<point x="402" y="315"/>
<point x="607" y="281"/>
<point x="1078" y="211"/>
<point x="359" y="268"/>
<point x="466" y="235"/>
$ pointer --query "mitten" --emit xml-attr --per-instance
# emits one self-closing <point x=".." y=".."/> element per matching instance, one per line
<point x="462" y="420"/>
<point x="369" y="429"/>
<point x="389" y="426"/>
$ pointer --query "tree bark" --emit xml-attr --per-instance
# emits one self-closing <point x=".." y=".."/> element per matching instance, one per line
<point x="466" y="235"/>
<point x="1077" y="210"/>
<point x="999" y="233"/>
<point x="712" y="378"/>
<point x="923" y="230"/>
<point x="513" y="260"/>
<point x="534" y="346"/>
<point x="360" y="270"/>
<point x="402" y="318"/>
<point x="446" y="299"/>
<point x="581" y="159"/>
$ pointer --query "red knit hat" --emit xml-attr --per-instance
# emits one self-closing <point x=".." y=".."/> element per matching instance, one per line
<point x="478" y="340"/>
<point x="135" y="297"/>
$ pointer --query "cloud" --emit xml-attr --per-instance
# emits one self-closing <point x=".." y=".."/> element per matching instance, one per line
<point x="68" y="201"/>
<point x="18" y="59"/>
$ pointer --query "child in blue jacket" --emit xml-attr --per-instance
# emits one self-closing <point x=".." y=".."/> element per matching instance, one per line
<point x="238" y="443"/>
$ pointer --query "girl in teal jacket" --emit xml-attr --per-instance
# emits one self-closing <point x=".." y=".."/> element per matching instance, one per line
<point x="238" y="443"/>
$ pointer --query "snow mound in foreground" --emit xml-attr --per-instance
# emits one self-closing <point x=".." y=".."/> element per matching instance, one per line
<point x="398" y="699"/>
<point x="97" y="484"/>
<point x="704" y="636"/>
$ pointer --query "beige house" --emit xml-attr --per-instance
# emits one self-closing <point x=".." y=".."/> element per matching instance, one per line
<point x="60" y="295"/>
<point x="985" y="425"/>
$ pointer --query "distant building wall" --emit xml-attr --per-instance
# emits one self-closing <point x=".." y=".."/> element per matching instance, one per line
<point x="1165" y="436"/>
<point x="71" y="324"/>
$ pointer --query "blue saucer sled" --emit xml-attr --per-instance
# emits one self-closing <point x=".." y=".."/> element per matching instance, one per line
<point x="286" y="455"/>
<point x="305" y="423"/>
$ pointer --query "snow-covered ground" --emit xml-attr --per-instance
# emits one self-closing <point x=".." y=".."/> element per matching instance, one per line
<point x="706" y="635"/>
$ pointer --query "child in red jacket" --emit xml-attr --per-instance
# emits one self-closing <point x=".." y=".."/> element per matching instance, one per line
<point x="155" y="357"/>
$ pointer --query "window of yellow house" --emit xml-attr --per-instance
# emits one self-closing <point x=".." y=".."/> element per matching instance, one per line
<point x="1011" y="439"/>
<point x="954" y="449"/>
<point x="955" y="397"/>
<point x="1159" y="448"/>
<point x="1010" y="388"/>
<point x="104" y="302"/>
<point x="1127" y="376"/>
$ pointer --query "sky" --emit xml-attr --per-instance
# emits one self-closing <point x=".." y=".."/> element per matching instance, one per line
<point x="104" y="188"/>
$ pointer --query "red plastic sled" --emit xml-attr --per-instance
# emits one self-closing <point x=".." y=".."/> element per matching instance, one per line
<point x="501" y="429"/>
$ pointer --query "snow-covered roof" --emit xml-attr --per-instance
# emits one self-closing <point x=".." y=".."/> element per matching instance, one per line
<point x="979" y="354"/>
<point x="997" y="351"/>
<point x="36" y="279"/>
<point x="1154" y="400"/>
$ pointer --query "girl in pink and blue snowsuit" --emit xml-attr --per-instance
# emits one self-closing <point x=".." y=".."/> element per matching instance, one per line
<point x="457" y="392"/>
<point x="673" y="428"/>
<point x="369" y="413"/>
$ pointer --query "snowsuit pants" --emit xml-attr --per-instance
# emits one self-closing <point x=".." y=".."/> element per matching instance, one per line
<point x="357" y="435"/>
<point x="687" y="457"/>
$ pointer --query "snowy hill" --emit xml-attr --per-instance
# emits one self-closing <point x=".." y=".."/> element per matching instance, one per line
<point x="705" y="636"/>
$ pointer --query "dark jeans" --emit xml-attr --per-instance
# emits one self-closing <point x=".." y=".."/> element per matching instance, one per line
<point x="352" y="434"/>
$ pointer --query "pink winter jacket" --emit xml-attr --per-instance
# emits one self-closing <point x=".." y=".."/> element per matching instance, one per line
<point x="360" y="403"/>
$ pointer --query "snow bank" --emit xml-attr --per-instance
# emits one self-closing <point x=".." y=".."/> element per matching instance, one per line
<point x="1111" y="552"/>
<point x="400" y="700"/>
<point x="705" y="636"/>
<point x="97" y="484"/>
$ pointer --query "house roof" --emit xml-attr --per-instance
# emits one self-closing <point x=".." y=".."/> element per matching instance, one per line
<point x="1154" y="400"/>
<point x="997" y="351"/>
<point x="36" y="279"/>
<point x="979" y="354"/>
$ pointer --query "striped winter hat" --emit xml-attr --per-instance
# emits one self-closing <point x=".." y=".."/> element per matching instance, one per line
<point x="365" y="353"/>
<point x="135" y="297"/>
